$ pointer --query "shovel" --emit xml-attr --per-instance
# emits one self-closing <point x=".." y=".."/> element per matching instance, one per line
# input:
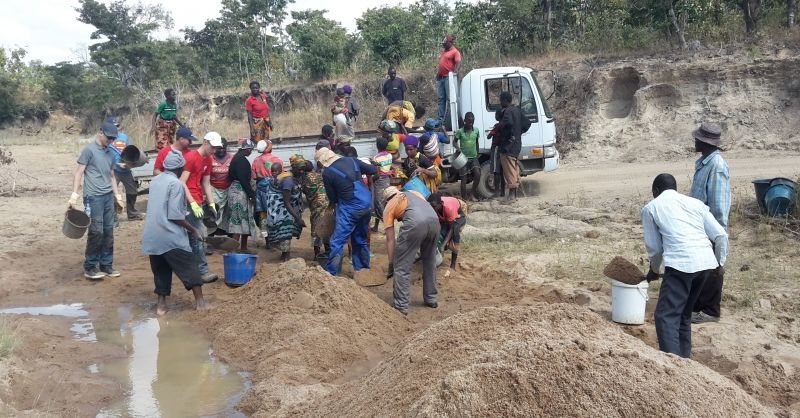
<point x="222" y="243"/>
<point x="623" y="271"/>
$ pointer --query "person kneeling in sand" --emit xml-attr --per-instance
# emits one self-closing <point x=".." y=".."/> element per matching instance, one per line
<point x="166" y="235"/>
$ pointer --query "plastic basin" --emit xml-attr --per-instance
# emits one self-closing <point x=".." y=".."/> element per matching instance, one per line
<point x="416" y="184"/>
<point x="239" y="268"/>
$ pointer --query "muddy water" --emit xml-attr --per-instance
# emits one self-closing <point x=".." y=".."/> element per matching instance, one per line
<point x="170" y="371"/>
<point x="82" y="329"/>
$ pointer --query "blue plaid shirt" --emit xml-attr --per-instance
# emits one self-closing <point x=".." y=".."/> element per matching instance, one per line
<point x="712" y="186"/>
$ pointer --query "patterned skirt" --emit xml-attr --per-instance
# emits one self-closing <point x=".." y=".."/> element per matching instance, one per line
<point x="241" y="212"/>
<point x="261" y="128"/>
<point x="165" y="132"/>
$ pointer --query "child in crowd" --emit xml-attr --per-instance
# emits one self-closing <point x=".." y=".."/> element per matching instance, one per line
<point x="466" y="141"/>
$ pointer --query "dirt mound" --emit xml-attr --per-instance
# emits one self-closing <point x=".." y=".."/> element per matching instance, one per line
<point x="298" y="331"/>
<point x="542" y="360"/>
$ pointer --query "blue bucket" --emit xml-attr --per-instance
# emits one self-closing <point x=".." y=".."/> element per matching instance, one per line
<point x="780" y="197"/>
<point x="416" y="184"/>
<point x="239" y="268"/>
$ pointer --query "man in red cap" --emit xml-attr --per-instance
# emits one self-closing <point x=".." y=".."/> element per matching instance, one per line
<point x="449" y="61"/>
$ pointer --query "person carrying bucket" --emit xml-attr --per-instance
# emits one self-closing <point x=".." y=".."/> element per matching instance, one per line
<point x="166" y="235"/>
<point x="452" y="213"/>
<point x="418" y="165"/>
<point x="679" y="232"/>
<point x="711" y="185"/>
<point x="95" y="172"/>
<point x="122" y="172"/>
<point x="353" y="200"/>
<point x="419" y="233"/>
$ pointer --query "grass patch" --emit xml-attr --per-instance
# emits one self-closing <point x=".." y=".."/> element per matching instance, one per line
<point x="8" y="340"/>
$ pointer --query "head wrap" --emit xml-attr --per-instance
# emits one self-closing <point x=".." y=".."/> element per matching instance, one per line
<point x="345" y="139"/>
<point x="174" y="160"/>
<point x="431" y="124"/>
<point x="263" y="145"/>
<point x="325" y="156"/>
<point x="412" y="140"/>
<point x="297" y="162"/>
<point x="348" y="89"/>
<point x="246" y="144"/>
<point x="389" y="126"/>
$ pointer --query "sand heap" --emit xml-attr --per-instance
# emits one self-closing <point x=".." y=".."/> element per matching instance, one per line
<point x="298" y="329"/>
<point x="543" y="360"/>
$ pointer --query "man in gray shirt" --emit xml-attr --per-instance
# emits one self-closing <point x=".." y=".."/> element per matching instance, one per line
<point x="165" y="237"/>
<point x="96" y="172"/>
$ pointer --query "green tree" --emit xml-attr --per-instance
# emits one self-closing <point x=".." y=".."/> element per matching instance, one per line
<point x="389" y="33"/>
<point x="320" y="41"/>
<point x="81" y="87"/>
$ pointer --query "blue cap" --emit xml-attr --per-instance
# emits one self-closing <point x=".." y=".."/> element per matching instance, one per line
<point x="185" y="132"/>
<point x="109" y="130"/>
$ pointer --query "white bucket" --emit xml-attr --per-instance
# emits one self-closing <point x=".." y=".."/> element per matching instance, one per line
<point x="628" y="302"/>
<point x="459" y="160"/>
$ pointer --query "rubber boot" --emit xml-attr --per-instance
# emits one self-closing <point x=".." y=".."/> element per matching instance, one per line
<point x="133" y="214"/>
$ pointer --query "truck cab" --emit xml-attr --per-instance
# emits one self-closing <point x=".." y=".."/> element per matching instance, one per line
<point x="479" y="93"/>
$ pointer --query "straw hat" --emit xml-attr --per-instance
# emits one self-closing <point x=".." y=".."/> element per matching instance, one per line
<point x="325" y="156"/>
<point x="390" y="192"/>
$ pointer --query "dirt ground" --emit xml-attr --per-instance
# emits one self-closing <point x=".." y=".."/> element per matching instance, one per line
<point x="548" y="248"/>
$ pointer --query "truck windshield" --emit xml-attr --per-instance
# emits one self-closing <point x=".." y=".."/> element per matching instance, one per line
<point x="545" y="106"/>
<point x="520" y="90"/>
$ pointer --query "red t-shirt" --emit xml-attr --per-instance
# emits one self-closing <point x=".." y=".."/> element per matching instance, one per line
<point x="257" y="108"/>
<point x="447" y="61"/>
<point x="219" y="173"/>
<point x="197" y="167"/>
<point x="159" y="164"/>
<point x="262" y="165"/>
<point x="451" y="207"/>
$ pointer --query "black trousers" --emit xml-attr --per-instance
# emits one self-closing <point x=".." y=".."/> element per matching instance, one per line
<point x="180" y="262"/>
<point x="673" y="316"/>
<point x="711" y="295"/>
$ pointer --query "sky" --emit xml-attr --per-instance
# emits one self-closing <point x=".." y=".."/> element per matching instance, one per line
<point x="50" y="32"/>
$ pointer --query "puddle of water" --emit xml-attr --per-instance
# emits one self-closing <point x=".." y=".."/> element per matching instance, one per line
<point x="171" y="372"/>
<point x="82" y="329"/>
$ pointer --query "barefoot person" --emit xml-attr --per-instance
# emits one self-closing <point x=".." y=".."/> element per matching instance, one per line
<point x="679" y="232"/>
<point x="166" y="235"/>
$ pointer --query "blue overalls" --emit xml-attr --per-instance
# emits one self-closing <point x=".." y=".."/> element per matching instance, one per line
<point x="352" y="222"/>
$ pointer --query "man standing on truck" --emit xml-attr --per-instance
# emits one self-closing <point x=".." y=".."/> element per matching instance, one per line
<point x="122" y="173"/>
<point x="510" y="130"/>
<point x="711" y="185"/>
<point x="96" y="173"/>
<point x="165" y="120"/>
<point x="185" y="138"/>
<point x="196" y="177"/>
<point x="394" y="89"/>
<point x="353" y="200"/>
<point x="678" y="233"/>
<point x="449" y="61"/>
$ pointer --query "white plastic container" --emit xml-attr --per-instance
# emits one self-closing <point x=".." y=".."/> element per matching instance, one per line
<point x="628" y="302"/>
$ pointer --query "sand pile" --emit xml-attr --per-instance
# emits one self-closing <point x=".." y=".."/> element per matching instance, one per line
<point x="297" y="329"/>
<point x="542" y="360"/>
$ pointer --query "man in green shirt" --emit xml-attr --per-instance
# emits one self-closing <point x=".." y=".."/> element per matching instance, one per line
<point x="466" y="141"/>
<point x="165" y="120"/>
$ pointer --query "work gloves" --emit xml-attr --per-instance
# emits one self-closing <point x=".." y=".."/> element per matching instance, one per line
<point x="73" y="200"/>
<point x="213" y="207"/>
<point x="119" y="202"/>
<point x="197" y="210"/>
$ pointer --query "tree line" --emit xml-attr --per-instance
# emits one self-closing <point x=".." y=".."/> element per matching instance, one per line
<point x="255" y="39"/>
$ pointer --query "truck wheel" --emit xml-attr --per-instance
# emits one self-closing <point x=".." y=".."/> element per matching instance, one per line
<point x="486" y="186"/>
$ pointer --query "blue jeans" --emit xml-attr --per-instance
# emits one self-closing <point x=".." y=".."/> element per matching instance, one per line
<point x="351" y="224"/>
<point x="441" y="90"/>
<point x="198" y="247"/>
<point x="100" y="241"/>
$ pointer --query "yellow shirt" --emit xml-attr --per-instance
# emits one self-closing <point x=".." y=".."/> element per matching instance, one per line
<point x="400" y="115"/>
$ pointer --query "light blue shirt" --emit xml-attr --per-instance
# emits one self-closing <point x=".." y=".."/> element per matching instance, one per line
<point x="712" y="185"/>
<point x="679" y="230"/>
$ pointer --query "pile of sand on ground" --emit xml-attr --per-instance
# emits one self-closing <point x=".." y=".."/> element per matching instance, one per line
<point x="298" y="330"/>
<point x="540" y="360"/>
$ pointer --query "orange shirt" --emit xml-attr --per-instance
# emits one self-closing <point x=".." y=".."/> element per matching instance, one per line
<point x="396" y="208"/>
<point x="400" y="115"/>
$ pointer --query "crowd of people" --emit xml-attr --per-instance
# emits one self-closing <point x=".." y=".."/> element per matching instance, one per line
<point x="206" y="186"/>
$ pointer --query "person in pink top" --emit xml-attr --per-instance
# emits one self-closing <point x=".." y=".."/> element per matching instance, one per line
<point x="449" y="61"/>
<point x="262" y="165"/>
<point x="452" y="215"/>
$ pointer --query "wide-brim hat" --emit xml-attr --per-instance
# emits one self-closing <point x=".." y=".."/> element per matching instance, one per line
<point x="709" y="133"/>
<point x="325" y="156"/>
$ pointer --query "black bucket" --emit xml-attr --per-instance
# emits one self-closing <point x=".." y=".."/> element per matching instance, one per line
<point x="132" y="157"/>
<point x="761" y="187"/>
<point x="76" y="223"/>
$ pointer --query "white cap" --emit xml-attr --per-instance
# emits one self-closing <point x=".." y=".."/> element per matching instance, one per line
<point x="261" y="146"/>
<point x="214" y="139"/>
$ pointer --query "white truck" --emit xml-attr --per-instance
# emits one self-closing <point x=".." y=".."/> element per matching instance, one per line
<point x="479" y="93"/>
